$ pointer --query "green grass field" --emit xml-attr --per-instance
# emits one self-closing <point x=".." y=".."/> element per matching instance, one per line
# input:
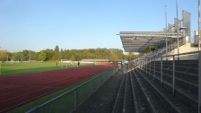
<point x="21" y="68"/>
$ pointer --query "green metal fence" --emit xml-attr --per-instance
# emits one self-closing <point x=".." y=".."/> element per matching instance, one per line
<point x="70" y="100"/>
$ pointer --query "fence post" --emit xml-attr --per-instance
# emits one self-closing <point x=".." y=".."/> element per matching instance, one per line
<point x="91" y="87"/>
<point x="75" y="99"/>
<point x="150" y="67"/>
<point x="99" y="81"/>
<point x="0" y="68"/>
<point x="173" y="75"/>
<point x="146" y="65"/>
<point x="199" y="81"/>
<point x="143" y="65"/>
<point x="161" y="69"/>
<point x="154" y="68"/>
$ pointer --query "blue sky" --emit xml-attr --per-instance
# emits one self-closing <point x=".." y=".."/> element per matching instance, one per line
<point x="82" y="24"/>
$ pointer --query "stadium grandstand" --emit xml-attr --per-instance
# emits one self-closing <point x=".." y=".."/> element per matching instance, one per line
<point x="168" y="78"/>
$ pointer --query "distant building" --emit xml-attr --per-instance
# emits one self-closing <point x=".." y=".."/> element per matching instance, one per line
<point x="95" y="60"/>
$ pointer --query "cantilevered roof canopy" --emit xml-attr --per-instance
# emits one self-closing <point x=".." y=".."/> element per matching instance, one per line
<point x="134" y="41"/>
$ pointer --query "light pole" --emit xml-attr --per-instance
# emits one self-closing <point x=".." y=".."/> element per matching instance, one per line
<point x="166" y="28"/>
<point x="198" y="25"/>
<point x="199" y="77"/>
<point x="177" y="29"/>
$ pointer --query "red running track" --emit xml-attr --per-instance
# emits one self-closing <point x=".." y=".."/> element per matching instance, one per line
<point x="21" y="89"/>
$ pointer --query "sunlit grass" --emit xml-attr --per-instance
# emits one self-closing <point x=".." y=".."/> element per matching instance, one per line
<point x="22" y="68"/>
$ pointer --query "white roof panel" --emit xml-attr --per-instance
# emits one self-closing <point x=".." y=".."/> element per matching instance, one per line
<point x="134" y="41"/>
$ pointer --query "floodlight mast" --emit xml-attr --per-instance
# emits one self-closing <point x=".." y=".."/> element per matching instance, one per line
<point x="166" y="29"/>
<point x="199" y="78"/>
<point x="177" y="29"/>
<point x="198" y="25"/>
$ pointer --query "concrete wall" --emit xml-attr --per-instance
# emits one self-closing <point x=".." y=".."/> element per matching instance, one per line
<point x="184" y="49"/>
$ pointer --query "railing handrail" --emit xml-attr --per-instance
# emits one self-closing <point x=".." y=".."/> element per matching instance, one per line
<point x="193" y="52"/>
<point x="143" y="62"/>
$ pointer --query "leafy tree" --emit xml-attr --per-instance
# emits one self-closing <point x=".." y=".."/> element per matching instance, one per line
<point x="3" y="55"/>
<point x="73" y="54"/>
<point x="56" y="48"/>
<point x="9" y="56"/>
<point x="42" y="56"/>
<point x="26" y="55"/>
<point x="72" y="58"/>
<point x="17" y="56"/>
<point x="49" y="54"/>
<point x="112" y="57"/>
<point x="33" y="55"/>
<point x="62" y="50"/>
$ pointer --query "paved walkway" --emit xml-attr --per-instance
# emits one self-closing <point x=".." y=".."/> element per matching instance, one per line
<point x="102" y="101"/>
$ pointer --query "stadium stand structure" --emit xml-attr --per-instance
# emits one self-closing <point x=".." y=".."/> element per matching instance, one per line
<point x="163" y="81"/>
<point x="160" y="86"/>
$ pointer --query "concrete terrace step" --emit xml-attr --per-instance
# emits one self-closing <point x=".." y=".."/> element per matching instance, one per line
<point x="184" y="80"/>
<point x="181" y="62"/>
<point x="118" y="105"/>
<point x="124" y="102"/>
<point x="141" y="105"/>
<point x="187" y="80"/>
<point x="186" y="65"/>
<point x="181" y="91"/>
<point x="171" y="101"/>
<point x="128" y="106"/>
<point x="184" y="90"/>
<point x="152" y="99"/>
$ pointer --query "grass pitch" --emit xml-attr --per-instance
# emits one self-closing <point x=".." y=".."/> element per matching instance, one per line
<point x="22" y="68"/>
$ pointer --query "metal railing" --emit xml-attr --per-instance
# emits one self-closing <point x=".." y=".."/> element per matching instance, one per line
<point x="70" y="100"/>
<point x="145" y="64"/>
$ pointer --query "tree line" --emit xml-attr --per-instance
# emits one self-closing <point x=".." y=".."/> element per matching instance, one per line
<point x="73" y="54"/>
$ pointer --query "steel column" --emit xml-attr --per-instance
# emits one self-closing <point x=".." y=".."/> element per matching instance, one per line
<point x="150" y="67"/>
<point x="177" y="29"/>
<point x="161" y="69"/>
<point x="198" y="25"/>
<point x="166" y="29"/>
<point x="154" y="68"/>
<point x="199" y="82"/>
<point x="146" y="65"/>
<point x="173" y="75"/>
